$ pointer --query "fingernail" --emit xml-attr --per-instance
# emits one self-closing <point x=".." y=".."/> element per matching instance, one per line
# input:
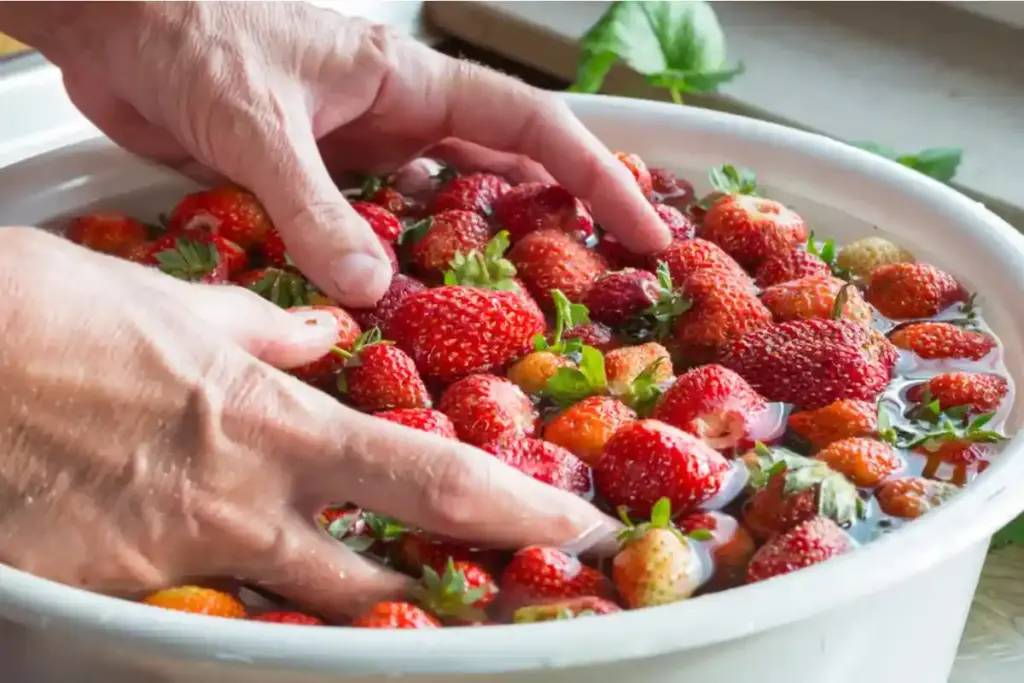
<point x="360" y="278"/>
<point x="313" y="328"/>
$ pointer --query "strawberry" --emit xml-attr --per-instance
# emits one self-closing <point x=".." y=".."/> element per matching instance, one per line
<point x="639" y="170"/>
<point x="451" y="332"/>
<point x="423" y="419"/>
<point x="597" y="335"/>
<point x="570" y="608"/>
<point x="531" y="207"/>
<point x="670" y="189"/>
<point x="811" y="363"/>
<point x="445" y="235"/>
<point x="585" y="427"/>
<point x="197" y="600"/>
<point x="274" y="252"/>
<point x="110" y="232"/>
<point x="816" y="297"/>
<point x="357" y="529"/>
<point x="616" y="296"/>
<point x="285" y="288"/>
<point x="415" y="550"/>
<point x="196" y="256"/>
<point x="938" y="340"/>
<point x="475" y="192"/>
<point x="864" y="255"/>
<point x="291" y="618"/>
<point x="731" y="545"/>
<point x="486" y="408"/>
<point x="532" y="372"/>
<point x="549" y="259"/>
<point x="401" y="287"/>
<point x="138" y="252"/>
<point x="839" y="420"/>
<point x="750" y="229"/>
<point x="458" y="594"/>
<point x="325" y="368"/>
<point x="396" y="615"/>
<point x="812" y="542"/>
<point x="618" y="256"/>
<point x="721" y="310"/>
<point x="865" y="462"/>
<point x="978" y="392"/>
<point x="680" y="225"/>
<point x="379" y="376"/>
<point x="377" y="190"/>
<point x="544" y="461"/>
<point x="656" y="565"/>
<point x="790" y="489"/>
<point x="538" y="574"/>
<point x="953" y="439"/>
<point x="913" y="290"/>
<point x="383" y="223"/>
<point x="647" y="460"/>
<point x="712" y="403"/>
<point x="624" y="366"/>
<point x="912" y="497"/>
<point x="231" y="212"/>
<point x="794" y="264"/>
<point x="686" y="258"/>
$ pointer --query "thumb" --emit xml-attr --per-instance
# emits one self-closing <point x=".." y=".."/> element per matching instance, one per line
<point x="325" y="237"/>
<point x="277" y="337"/>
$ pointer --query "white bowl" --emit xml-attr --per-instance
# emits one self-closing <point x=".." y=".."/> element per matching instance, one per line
<point x="891" y="612"/>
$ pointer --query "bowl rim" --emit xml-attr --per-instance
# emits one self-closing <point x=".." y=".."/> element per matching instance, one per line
<point x="976" y="513"/>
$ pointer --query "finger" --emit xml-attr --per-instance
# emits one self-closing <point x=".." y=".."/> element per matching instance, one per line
<point x="467" y="156"/>
<point x="443" y="486"/>
<point x="326" y="238"/>
<point x="317" y="572"/>
<point x="501" y="113"/>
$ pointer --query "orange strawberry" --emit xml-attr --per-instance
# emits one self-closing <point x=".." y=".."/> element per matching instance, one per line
<point x="722" y="309"/>
<point x="585" y="427"/>
<point x="379" y="376"/>
<point x="475" y="192"/>
<point x="292" y="618"/>
<point x="954" y="439"/>
<point x="439" y="238"/>
<point x="865" y="462"/>
<point x="978" y="392"/>
<point x="110" y="232"/>
<point x="624" y="365"/>
<point x="839" y="420"/>
<point x="812" y="542"/>
<point x="486" y="408"/>
<point x="383" y="223"/>
<point x="901" y="291"/>
<point x="731" y="545"/>
<point x="396" y="615"/>
<point x="325" y="368"/>
<point x="912" y="497"/>
<point x="639" y="170"/>
<point x="939" y="340"/>
<point x="197" y="600"/>
<point x="816" y="297"/>
<point x="532" y="372"/>
<point x="550" y="259"/>
<point x="750" y="229"/>
<point x="229" y="211"/>
<point x="423" y="419"/>
<point x="570" y="608"/>
<point x="533" y="207"/>
<point x="537" y="574"/>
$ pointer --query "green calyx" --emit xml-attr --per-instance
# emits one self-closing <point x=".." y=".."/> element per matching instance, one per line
<point x="189" y="259"/>
<point x="728" y="179"/>
<point x="567" y="316"/>
<point x="956" y="427"/>
<point x="415" y="232"/>
<point x="661" y="518"/>
<point x="644" y="391"/>
<point x="342" y="529"/>
<point x="489" y="269"/>
<point x="661" y="315"/>
<point x="968" y="318"/>
<point x="285" y="289"/>
<point x="384" y="529"/>
<point x="826" y="251"/>
<point x="571" y="385"/>
<point x="448" y="595"/>
<point x="842" y="297"/>
<point x="370" y="185"/>
<point x="371" y="337"/>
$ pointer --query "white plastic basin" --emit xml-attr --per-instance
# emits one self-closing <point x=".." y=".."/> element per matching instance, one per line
<point x="891" y="612"/>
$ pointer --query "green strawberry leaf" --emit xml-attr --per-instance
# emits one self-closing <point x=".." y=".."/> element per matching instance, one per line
<point x="384" y="528"/>
<point x="660" y="316"/>
<point x="644" y="391"/>
<point x="571" y="385"/>
<point x="827" y="252"/>
<point x="567" y="316"/>
<point x="489" y="269"/>
<point x="415" y="232"/>
<point x="371" y="184"/>
<point x="675" y="45"/>
<point x="728" y="179"/>
<point x="940" y="163"/>
<point x="701" y="535"/>
<point x="189" y="259"/>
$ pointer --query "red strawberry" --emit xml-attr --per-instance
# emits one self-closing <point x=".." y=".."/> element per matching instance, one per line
<point x="423" y="419"/>
<point x="416" y="550"/>
<point x="585" y="427"/>
<point x="816" y="297"/>
<point x="686" y="258"/>
<point x="324" y="369"/>
<point x="475" y="192"/>
<point x="285" y="288"/>
<point x="639" y="170"/>
<point x="452" y="332"/>
<point x="648" y="460"/>
<point x="570" y="608"/>
<point x="616" y="296"/>
<point x="790" y="489"/>
<point x="750" y="229"/>
<point x="383" y="223"/>
<point x="812" y="542"/>
<point x="109" y="232"/>
<point x="544" y="461"/>
<point x="912" y="290"/>
<point x="231" y="212"/>
<point x="531" y="207"/>
<point x="593" y="334"/>
<point x="912" y="497"/>
<point x="842" y="419"/>
<point x="783" y="266"/>
<point x="714" y="404"/>
<point x="376" y="190"/>
<point x="458" y="593"/>
<point x="379" y="376"/>
<point x="195" y="256"/>
<point x="680" y="225"/>
<point x="396" y="615"/>
<point x="811" y="363"/>
<point x="670" y="189"/>
<point x="979" y="392"/>
<point x="548" y="259"/>
<point x="938" y="340"/>
<point x="865" y="462"/>
<point x="731" y="546"/>
<point x="401" y="287"/>
<point x="539" y="575"/>
<point x="657" y="564"/>
<point x="293" y="618"/>
<point x="485" y="408"/>
<point x="275" y="253"/>
<point x="138" y="252"/>
<point x="449" y="233"/>
<point x="722" y="309"/>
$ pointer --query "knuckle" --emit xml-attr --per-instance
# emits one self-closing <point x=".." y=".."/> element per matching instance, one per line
<point x="452" y="489"/>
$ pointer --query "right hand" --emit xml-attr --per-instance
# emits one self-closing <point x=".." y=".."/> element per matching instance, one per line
<point x="146" y="437"/>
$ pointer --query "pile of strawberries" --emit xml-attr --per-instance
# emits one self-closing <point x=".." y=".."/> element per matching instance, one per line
<point x="750" y="401"/>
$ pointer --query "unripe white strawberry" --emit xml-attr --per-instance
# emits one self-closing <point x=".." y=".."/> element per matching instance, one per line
<point x="864" y="255"/>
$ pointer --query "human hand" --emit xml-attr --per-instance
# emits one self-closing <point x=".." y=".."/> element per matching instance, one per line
<point x="150" y="440"/>
<point x="273" y="96"/>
